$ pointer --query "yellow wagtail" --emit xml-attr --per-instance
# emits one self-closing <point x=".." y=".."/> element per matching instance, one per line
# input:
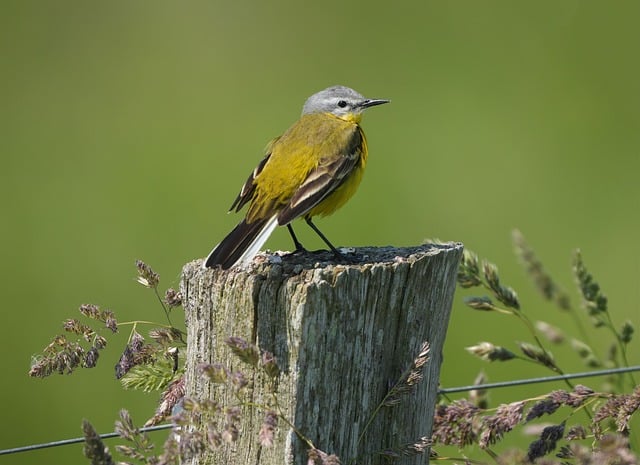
<point x="312" y="169"/>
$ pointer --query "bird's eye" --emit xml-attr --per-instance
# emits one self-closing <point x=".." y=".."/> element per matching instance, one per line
<point x="342" y="103"/>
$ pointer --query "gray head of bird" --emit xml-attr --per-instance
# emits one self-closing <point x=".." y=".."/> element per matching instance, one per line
<point x="340" y="101"/>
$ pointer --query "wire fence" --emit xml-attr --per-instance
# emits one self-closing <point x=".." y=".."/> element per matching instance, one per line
<point x="66" y="442"/>
<point x="517" y="382"/>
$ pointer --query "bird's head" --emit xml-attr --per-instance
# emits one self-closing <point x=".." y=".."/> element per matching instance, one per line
<point x="340" y="101"/>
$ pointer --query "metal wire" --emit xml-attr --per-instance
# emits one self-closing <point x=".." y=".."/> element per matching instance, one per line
<point x="543" y="379"/>
<point x="517" y="382"/>
<point x="65" y="442"/>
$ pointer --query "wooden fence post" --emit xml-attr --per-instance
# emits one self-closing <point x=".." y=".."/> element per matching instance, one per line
<point x="341" y="335"/>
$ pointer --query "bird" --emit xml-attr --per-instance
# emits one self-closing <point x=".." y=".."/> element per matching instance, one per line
<point x="312" y="169"/>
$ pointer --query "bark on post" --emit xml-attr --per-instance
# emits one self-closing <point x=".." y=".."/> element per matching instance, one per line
<point x="341" y="334"/>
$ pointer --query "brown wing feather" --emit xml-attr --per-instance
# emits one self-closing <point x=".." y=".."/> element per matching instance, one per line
<point x="323" y="180"/>
<point x="249" y="187"/>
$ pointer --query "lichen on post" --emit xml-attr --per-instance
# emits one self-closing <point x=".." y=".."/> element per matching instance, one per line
<point x="342" y="336"/>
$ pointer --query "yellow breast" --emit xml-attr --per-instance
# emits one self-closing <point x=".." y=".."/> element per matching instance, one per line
<point x="313" y="139"/>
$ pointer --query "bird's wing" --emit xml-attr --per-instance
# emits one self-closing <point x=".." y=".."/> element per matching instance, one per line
<point x="248" y="188"/>
<point x="323" y="180"/>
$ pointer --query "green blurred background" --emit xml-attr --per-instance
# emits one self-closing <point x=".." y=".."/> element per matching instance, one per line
<point x="127" y="128"/>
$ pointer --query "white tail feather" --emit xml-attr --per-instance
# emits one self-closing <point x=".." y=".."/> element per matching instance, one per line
<point x="257" y="243"/>
<point x="254" y="248"/>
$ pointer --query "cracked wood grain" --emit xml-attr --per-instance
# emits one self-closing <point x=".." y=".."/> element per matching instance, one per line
<point x="341" y="334"/>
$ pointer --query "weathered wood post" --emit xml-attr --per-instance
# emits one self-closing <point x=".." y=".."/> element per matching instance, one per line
<point x="341" y="334"/>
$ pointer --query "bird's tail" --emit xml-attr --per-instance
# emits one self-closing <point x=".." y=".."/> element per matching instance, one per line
<point x="241" y="244"/>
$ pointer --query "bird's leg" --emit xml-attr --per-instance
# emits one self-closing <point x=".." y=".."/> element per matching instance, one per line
<point x="335" y="251"/>
<point x="296" y="242"/>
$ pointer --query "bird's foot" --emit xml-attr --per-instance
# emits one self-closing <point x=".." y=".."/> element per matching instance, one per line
<point x="344" y="256"/>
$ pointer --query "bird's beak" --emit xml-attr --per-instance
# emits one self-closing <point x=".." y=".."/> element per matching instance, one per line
<point x="373" y="102"/>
